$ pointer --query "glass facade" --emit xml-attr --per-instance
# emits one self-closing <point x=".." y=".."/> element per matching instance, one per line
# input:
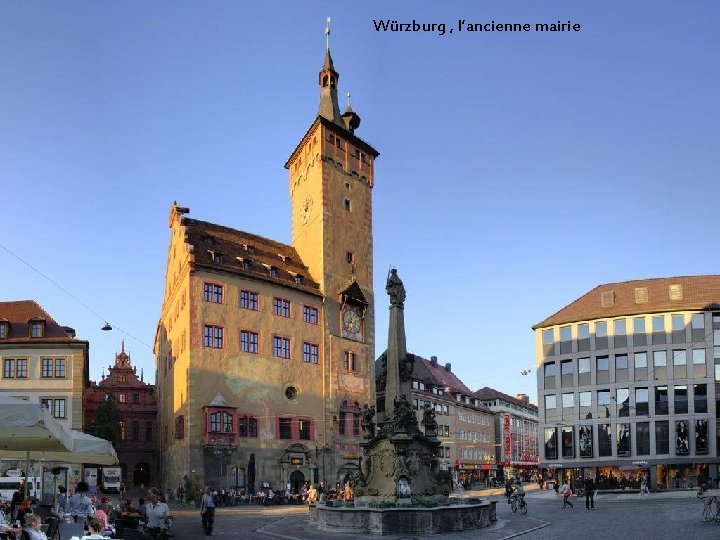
<point x="634" y="390"/>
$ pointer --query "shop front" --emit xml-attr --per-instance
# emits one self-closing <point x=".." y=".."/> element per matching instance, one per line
<point x="672" y="476"/>
<point x="475" y="473"/>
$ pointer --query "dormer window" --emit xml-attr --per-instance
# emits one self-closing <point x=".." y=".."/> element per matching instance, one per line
<point x="209" y="240"/>
<point x="4" y="329"/>
<point x="37" y="328"/>
<point x="284" y="258"/>
<point x="271" y="269"/>
<point x="245" y="262"/>
<point x="249" y="248"/>
<point x="215" y="256"/>
<point x="298" y="279"/>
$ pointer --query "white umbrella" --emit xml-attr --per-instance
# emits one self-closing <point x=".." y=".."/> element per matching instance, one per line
<point x="83" y="448"/>
<point x="26" y="426"/>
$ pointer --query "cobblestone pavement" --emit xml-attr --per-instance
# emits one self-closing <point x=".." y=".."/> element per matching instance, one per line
<point x="658" y="516"/>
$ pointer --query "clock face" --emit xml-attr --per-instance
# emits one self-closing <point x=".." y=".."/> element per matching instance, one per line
<point x="352" y="321"/>
<point x="306" y="209"/>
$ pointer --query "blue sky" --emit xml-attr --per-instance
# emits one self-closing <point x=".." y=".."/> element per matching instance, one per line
<point x="517" y="170"/>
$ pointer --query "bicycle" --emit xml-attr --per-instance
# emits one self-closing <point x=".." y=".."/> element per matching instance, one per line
<point x="518" y="503"/>
<point x="709" y="513"/>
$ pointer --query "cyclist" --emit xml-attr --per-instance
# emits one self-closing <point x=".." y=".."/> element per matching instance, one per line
<point x="518" y="490"/>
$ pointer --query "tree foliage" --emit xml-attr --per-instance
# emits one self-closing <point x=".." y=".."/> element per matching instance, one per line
<point x="106" y="423"/>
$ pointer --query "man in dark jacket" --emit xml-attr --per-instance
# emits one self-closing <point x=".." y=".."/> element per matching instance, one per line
<point x="589" y="493"/>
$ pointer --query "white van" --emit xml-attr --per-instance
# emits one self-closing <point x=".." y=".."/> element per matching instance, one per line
<point x="10" y="484"/>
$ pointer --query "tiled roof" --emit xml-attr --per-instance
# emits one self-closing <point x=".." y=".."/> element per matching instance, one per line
<point x="18" y="313"/>
<point x="235" y="246"/>
<point x="354" y="139"/>
<point x="354" y="292"/>
<point x="697" y="293"/>
<point x="439" y="376"/>
<point x="487" y="393"/>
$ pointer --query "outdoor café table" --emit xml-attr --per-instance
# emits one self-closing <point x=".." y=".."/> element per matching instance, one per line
<point x="4" y="530"/>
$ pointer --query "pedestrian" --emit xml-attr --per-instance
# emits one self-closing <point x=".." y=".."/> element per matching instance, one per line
<point x="207" y="510"/>
<point x="156" y="512"/>
<point x="644" y="487"/>
<point x="589" y="493"/>
<point x="566" y="492"/>
<point x="80" y="505"/>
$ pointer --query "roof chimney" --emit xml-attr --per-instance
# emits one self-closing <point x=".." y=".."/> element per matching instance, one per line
<point x="433" y="360"/>
<point x="448" y="367"/>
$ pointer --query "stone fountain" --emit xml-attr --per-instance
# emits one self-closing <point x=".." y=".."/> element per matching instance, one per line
<point x="401" y="487"/>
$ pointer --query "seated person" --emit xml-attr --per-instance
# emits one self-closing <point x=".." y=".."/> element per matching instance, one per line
<point x="127" y="508"/>
<point x="142" y="510"/>
<point x="95" y="530"/>
<point x="33" y="530"/>
<point x="105" y="505"/>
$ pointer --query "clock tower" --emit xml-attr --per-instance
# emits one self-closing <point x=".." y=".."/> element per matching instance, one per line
<point x="331" y="180"/>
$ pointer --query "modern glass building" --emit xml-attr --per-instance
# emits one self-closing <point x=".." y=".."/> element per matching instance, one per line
<point x="628" y="380"/>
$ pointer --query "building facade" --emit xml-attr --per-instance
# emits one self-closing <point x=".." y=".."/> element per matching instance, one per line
<point x="43" y="362"/>
<point x="466" y="427"/>
<point x="516" y="431"/>
<point x="264" y="350"/>
<point x="137" y="406"/>
<point x="628" y="380"/>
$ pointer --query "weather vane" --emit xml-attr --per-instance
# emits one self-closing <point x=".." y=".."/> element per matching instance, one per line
<point x="348" y="98"/>
<point x="327" y="34"/>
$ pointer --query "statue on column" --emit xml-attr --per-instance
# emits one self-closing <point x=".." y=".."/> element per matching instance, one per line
<point x="367" y="423"/>
<point x="429" y="421"/>
<point x="395" y="289"/>
<point x="405" y="419"/>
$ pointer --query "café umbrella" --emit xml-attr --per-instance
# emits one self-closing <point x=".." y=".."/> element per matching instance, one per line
<point x="251" y="474"/>
<point x="83" y="448"/>
<point x="28" y="428"/>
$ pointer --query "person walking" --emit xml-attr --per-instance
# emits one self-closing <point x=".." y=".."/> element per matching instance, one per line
<point x="156" y="512"/>
<point x="566" y="492"/>
<point x="207" y="511"/>
<point x="80" y="505"/>
<point x="589" y="493"/>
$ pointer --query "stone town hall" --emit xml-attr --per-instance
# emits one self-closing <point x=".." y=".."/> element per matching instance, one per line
<point x="266" y="348"/>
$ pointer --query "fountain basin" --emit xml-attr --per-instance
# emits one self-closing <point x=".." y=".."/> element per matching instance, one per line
<point x="415" y="520"/>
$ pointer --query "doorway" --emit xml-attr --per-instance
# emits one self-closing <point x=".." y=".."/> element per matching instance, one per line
<point x="297" y="479"/>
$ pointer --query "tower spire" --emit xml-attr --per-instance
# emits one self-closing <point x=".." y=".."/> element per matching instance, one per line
<point x="328" y="79"/>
